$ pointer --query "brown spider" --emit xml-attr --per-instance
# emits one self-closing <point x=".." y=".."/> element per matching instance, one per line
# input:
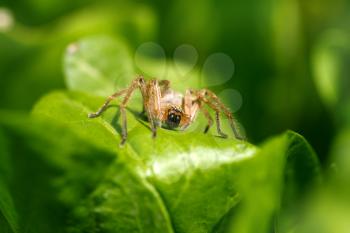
<point x="170" y="109"/>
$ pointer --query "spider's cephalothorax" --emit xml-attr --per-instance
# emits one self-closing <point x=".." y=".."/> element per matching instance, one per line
<point x="167" y="108"/>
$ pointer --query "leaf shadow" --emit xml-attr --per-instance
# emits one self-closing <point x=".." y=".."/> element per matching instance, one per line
<point x="139" y="116"/>
<point x="115" y="120"/>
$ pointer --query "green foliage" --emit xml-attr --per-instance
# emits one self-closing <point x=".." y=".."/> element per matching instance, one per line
<point x="97" y="66"/>
<point x="39" y="53"/>
<point x="198" y="186"/>
<point x="71" y="170"/>
<point x="63" y="172"/>
<point x="330" y="64"/>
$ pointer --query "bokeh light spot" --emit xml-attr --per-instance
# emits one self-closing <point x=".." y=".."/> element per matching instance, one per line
<point x="218" y="68"/>
<point x="150" y="59"/>
<point x="6" y="20"/>
<point x="185" y="54"/>
<point x="232" y="99"/>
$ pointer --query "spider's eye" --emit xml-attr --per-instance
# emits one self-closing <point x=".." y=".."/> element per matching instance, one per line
<point x="173" y="120"/>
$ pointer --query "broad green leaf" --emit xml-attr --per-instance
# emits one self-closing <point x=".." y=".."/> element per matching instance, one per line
<point x="51" y="173"/>
<point x="196" y="182"/>
<point x="327" y="210"/>
<point x="61" y="175"/>
<point x="97" y="65"/>
<point x="123" y="202"/>
<point x="302" y="173"/>
<point x="183" y="173"/>
<point x="101" y="65"/>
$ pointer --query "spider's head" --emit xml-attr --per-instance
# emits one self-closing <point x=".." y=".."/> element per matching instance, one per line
<point x="175" y="117"/>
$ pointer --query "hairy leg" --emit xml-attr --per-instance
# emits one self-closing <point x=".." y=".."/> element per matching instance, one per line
<point x="190" y="108"/>
<point x="217" y="115"/>
<point x="152" y="104"/>
<point x="227" y="112"/>
<point x="215" y="103"/>
<point x="192" y="104"/>
<point x="229" y="115"/>
<point x="106" y="103"/>
<point x="136" y="83"/>
<point x="218" y="125"/>
<point x="207" y="116"/>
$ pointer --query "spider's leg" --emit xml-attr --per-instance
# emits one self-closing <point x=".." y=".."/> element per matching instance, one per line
<point x="218" y="125"/>
<point x="152" y="104"/>
<point x="137" y="83"/>
<point x="190" y="100"/>
<point x="215" y="101"/>
<point x="150" y="119"/>
<point x="190" y="108"/>
<point x="207" y="116"/>
<point x="106" y="103"/>
<point x="217" y="116"/>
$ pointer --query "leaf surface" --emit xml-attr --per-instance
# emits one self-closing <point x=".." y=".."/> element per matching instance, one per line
<point x="198" y="181"/>
<point x="182" y="181"/>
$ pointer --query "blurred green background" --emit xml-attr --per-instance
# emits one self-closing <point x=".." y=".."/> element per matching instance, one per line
<point x="290" y="56"/>
<point x="291" y="66"/>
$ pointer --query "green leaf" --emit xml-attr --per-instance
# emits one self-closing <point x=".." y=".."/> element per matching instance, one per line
<point x="205" y="183"/>
<point x="175" y="168"/>
<point x="50" y="175"/>
<point x="193" y="182"/>
<point x="302" y="173"/>
<point x="327" y="210"/>
<point x="101" y="65"/>
<point x="123" y="202"/>
<point x="98" y="65"/>
<point x="59" y="177"/>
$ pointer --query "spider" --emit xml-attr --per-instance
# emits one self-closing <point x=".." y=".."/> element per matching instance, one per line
<point x="169" y="109"/>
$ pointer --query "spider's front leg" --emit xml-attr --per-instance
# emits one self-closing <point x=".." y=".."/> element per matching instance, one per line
<point x="151" y="98"/>
<point x="106" y="103"/>
<point x="136" y="83"/>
